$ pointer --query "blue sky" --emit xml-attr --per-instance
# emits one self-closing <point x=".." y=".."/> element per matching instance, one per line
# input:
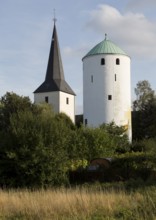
<point x="25" y="37"/>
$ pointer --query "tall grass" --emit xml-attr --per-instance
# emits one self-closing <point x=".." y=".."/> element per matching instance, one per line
<point x="77" y="204"/>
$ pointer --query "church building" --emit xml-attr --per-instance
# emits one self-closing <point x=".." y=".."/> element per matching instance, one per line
<point x="106" y="86"/>
<point x="55" y="90"/>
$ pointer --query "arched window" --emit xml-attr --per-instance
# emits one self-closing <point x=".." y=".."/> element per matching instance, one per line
<point x="117" y="61"/>
<point x="102" y="61"/>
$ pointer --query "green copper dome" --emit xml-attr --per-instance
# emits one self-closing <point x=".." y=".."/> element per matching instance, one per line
<point x="105" y="47"/>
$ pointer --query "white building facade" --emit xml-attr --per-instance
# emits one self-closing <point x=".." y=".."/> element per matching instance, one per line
<point x="106" y="86"/>
<point x="60" y="102"/>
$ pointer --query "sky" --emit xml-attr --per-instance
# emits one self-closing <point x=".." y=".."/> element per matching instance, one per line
<point x="26" y="30"/>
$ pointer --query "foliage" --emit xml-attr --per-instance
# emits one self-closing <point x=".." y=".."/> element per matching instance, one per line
<point x="12" y="103"/>
<point x="137" y="165"/>
<point x="32" y="151"/>
<point x="145" y="145"/>
<point x="39" y="147"/>
<point x="144" y="110"/>
<point x="97" y="143"/>
<point x="88" y="143"/>
<point x="118" y="136"/>
<point x="113" y="129"/>
<point x="77" y="164"/>
<point x="144" y="94"/>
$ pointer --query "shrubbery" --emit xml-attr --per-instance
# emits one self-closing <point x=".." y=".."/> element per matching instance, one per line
<point x="38" y="147"/>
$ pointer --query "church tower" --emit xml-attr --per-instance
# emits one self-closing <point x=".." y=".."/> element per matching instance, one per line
<point x="55" y="90"/>
<point x="106" y="86"/>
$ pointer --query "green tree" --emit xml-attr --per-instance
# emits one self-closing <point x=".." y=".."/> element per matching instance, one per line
<point x="33" y="154"/>
<point x="12" y="103"/>
<point x="144" y="95"/>
<point x="144" y="110"/>
<point x="117" y="137"/>
<point x="98" y="143"/>
<point x="33" y="148"/>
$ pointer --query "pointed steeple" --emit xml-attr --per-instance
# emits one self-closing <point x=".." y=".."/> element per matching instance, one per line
<point x="54" y="80"/>
<point x="55" y="68"/>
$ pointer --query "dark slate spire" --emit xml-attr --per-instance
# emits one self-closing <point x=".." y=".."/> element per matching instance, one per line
<point x="54" y="80"/>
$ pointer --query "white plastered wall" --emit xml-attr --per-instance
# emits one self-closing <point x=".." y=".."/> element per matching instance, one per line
<point x="58" y="101"/>
<point x="69" y="108"/>
<point x="99" y="81"/>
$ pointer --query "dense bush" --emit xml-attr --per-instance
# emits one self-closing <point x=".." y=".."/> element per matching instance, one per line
<point x="39" y="147"/>
<point x="33" y="140"/>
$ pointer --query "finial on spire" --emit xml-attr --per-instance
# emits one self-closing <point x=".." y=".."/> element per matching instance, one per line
<point x="105" y="36"/>
<point x="54" y="19"/>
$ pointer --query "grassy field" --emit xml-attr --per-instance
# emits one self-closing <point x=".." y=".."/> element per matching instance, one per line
<point x="76" y="204"/>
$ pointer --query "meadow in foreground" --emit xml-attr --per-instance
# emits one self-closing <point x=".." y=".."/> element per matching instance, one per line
<point x="75" y="204"/>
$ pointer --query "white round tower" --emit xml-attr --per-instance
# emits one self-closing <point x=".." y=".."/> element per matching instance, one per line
<point x="106" y="86"/>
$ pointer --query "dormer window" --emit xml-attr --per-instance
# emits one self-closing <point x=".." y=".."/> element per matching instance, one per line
<point x="117" y="61"/>
<point x="102" y="61"/>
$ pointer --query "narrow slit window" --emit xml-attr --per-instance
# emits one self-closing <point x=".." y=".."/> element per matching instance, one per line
<point x="115" y="77"/>
<point x="117" y="61"/>
<point x="102" y="61"/>
<point x="46" y="99"/>
<point x="67" y="101"/>
<point x="109" y="97"/>
<point x="86" y="121"/>
<point x="92" y="78"/>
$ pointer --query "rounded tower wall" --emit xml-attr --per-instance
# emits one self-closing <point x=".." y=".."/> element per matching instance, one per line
<point x="107" y="95"/>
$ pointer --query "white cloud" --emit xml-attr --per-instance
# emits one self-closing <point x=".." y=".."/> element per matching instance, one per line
<point x="132" y="31"/>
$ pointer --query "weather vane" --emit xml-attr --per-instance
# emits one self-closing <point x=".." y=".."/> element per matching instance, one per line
<point x="54" y="19"/>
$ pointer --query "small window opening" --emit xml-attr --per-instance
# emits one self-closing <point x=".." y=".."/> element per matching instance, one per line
<point x="86" y="121"/>
<point x="92" y="78"/>
<point x="115" y="77"/>
<point x="67" y="101"/>
<point x="102" y="61"/>
<point x="109" y="97"/>
<point x="46" y="99"/>
<point x="117" y="61"/>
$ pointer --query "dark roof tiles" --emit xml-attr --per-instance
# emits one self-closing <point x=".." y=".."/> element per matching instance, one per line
<point x="54" y="80"/>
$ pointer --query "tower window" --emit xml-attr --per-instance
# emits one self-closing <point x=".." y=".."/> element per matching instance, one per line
<point x="46" y="99"/>
<point x="67" y="101"/>
<point x="86" y="121"/>
<point x="115" y="77"/>
<point x="117" y="61"/>
<point x="102" y="61"/>
<point x="92" y="78"/>
<point x="109" y="97"/>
